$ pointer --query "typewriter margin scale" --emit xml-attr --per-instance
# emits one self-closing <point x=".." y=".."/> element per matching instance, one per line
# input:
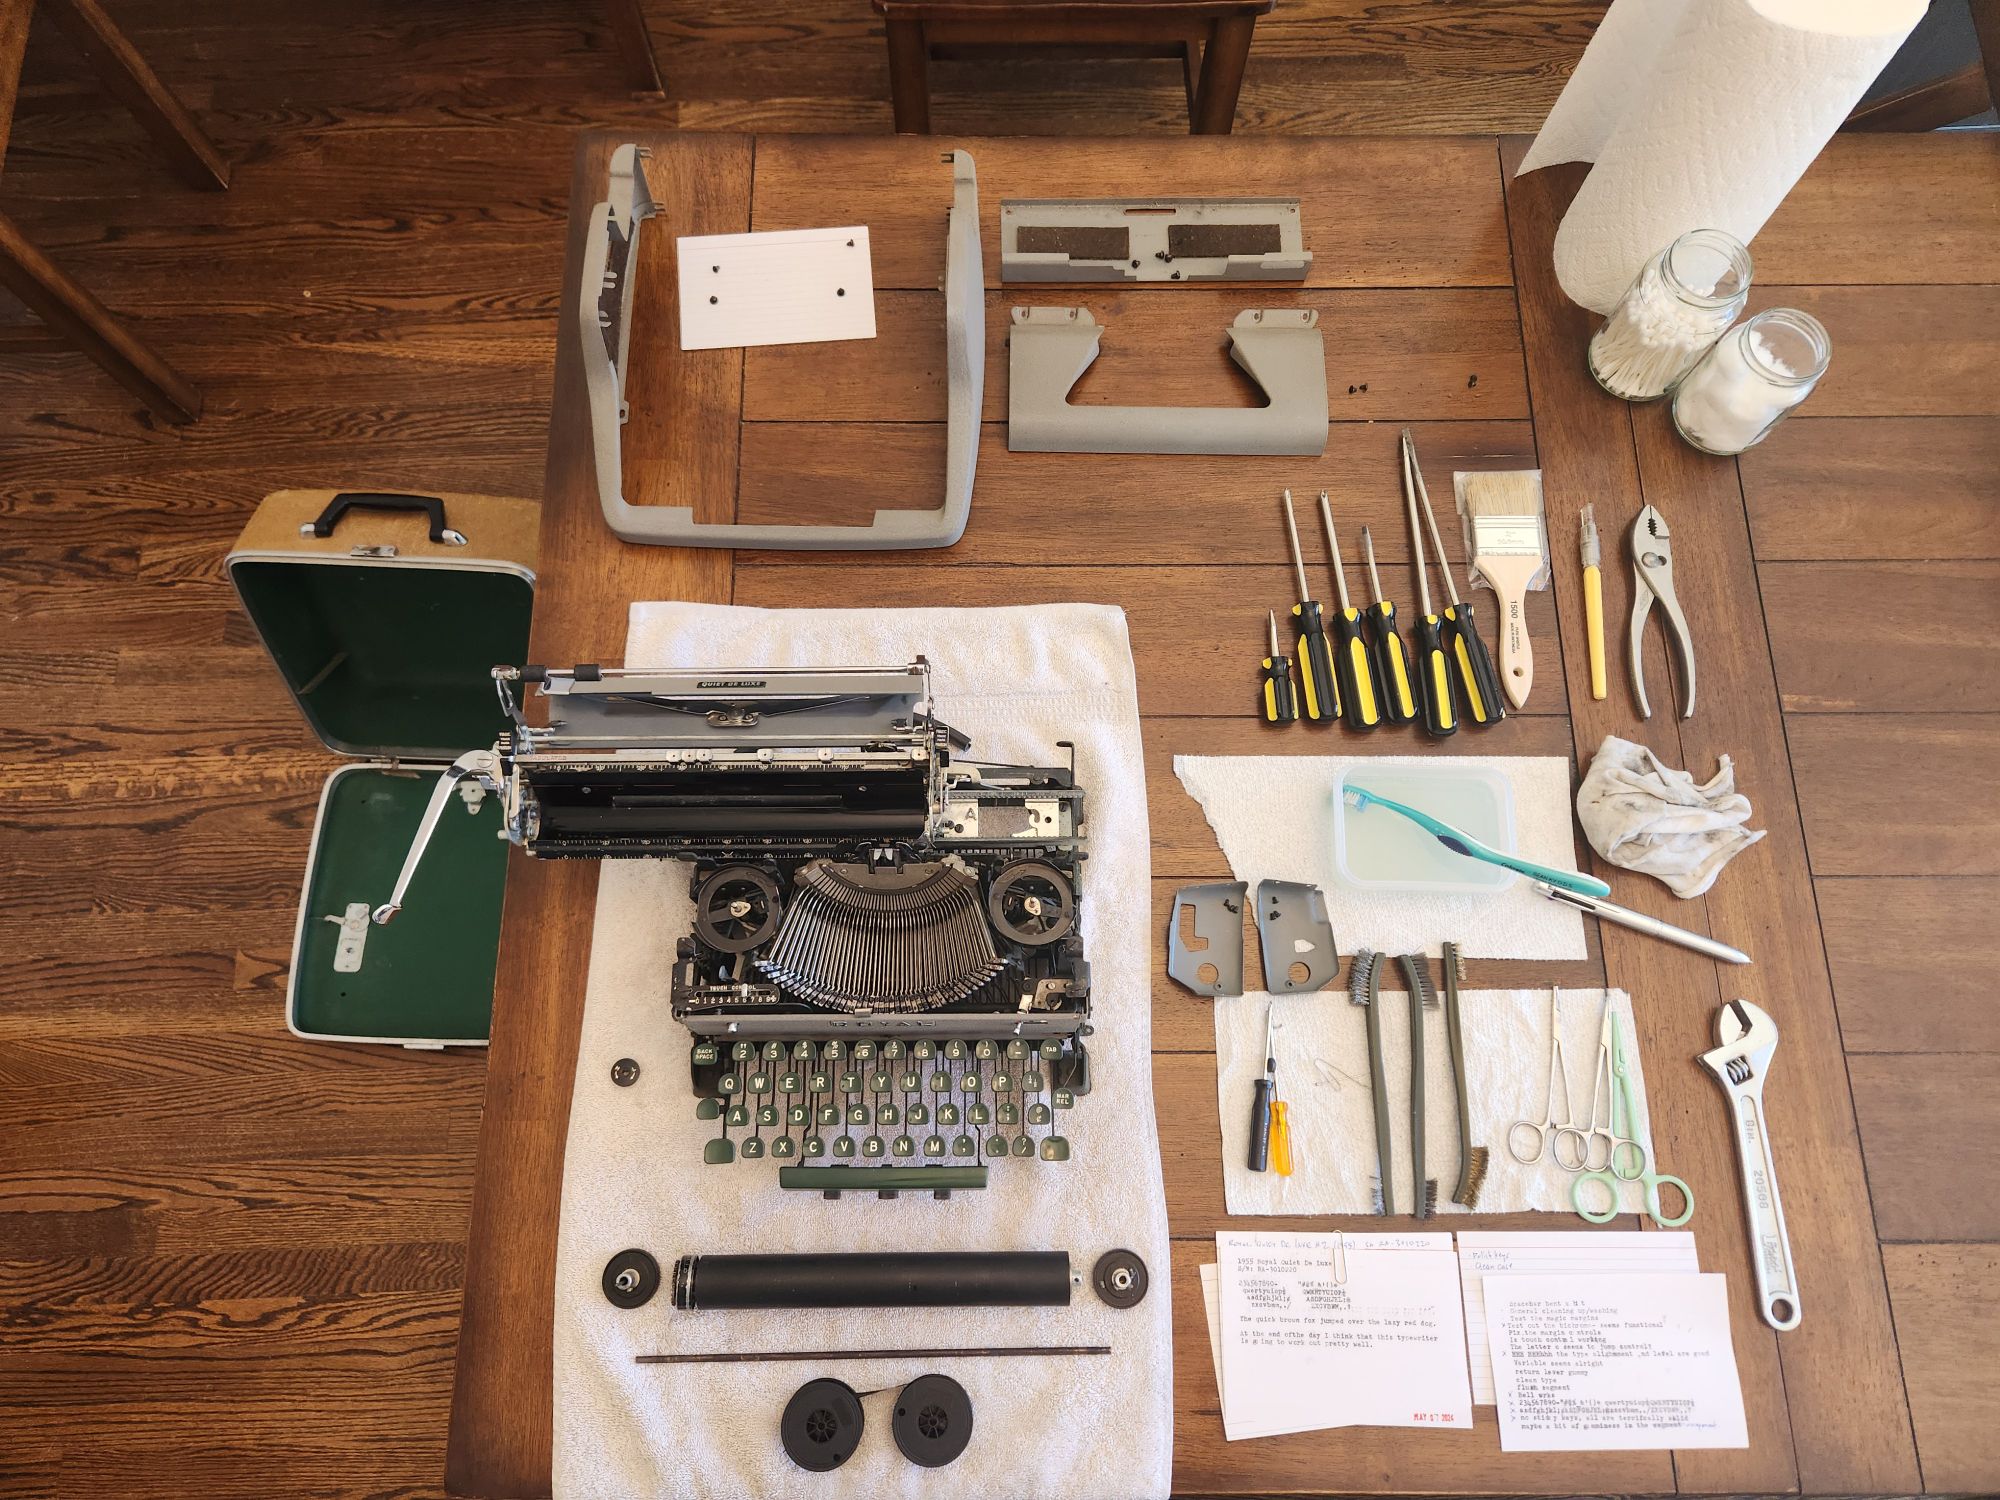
<point x="885" y="936"/>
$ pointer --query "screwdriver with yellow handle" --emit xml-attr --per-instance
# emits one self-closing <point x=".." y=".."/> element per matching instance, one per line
<point x="1392" y="661"/>
<point x="1318" y="696"/>
<point x="1270" y="1130"/>
<point x="1353" y="670"/>
<point x="1437" y="708"/>
<point x="1467" y="647"/>
<point x="1278" y="704"/>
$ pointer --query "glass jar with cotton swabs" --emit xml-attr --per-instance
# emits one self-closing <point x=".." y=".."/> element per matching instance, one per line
<point x="1676" y="308"/>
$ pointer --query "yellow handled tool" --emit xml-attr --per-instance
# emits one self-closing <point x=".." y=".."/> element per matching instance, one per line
<point x="1392" y="661"/>
<point x="1277" y="704"/>
<point x="1436" y="700"/>
<point x="1281" y="1140"/>
<point x="1352" y="667"/>
<point x="1318" y="696"/>
<point x="1593" y="599"/>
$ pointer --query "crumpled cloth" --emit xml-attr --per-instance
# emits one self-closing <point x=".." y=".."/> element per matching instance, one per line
<point x="1641" y="814"/>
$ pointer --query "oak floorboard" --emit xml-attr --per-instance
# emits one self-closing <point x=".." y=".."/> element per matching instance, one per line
<point x="1906" y="1104"/>
<point x="1947" y="1302"/>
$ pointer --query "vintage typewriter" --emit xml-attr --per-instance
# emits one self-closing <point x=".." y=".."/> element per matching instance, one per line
<point x="885" y="982"/>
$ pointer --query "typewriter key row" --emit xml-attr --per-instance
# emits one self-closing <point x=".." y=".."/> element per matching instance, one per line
<point x="926" y="1099"/>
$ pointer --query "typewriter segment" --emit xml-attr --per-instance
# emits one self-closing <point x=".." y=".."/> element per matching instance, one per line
<point x="885" y="981"/>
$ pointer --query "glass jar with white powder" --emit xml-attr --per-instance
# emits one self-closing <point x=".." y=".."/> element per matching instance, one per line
<point x="1750" y="379"/>
<point x="1677" y="306"/>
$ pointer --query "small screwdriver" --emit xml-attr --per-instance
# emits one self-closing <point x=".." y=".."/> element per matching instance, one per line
<point x="1316" y="684"/>
<point x="1270" y="1130"/>
<point x="1434" y="690"/>
<point x="1483" y="703"/>
<point x="1278" y="704"/>
<point x="1392" y="665"/>
<point x="1352" y="668"/>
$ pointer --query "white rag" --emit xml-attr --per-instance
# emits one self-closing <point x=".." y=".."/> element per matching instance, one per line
<point x="1273" y="817"/>
<point x="1016" y="680"/>
<point x="1641" y="814"/>
<point x="1321" y="1044"/>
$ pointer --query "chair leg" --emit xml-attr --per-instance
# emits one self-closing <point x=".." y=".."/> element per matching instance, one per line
<point x="68" y="307"/>
<point x="635" y="45"/>
<point x="1190" y="68"/>
<point x="135" y="85"/>
<point x="909" y="76"/>
<point x="1222" y="64"/>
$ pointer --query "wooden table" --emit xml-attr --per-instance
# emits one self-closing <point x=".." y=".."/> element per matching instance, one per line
<point x="1431" y="276"/>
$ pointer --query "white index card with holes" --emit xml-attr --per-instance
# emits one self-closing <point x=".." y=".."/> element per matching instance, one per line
<point x="787" y="286"/>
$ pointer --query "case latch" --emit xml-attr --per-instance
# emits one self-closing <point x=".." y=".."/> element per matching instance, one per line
<point x="353" y="927"/>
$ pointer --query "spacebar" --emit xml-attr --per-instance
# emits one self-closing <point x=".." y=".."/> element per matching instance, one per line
<point x="939" y="1179"/>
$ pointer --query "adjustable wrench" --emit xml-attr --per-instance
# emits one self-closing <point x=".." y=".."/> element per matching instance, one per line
<point x="1747" y="1038"/>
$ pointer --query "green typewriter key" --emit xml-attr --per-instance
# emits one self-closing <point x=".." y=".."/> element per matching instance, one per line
<point x="760" y="1083"/>
<point x="878" y="1082"/>
<point x="1008" y="1114"/>
<point x="789" y="1083"/>
<point x="969" y="1081"/>
<point x="864" y="1051"/>
<point x="815" y="1146"/>
<point x="797" y="1115"/>
<point x="1038" y="1114"/>
<point x="803" y="1051"/>
<point x="784" y="1146"/>
<point x="1055" y="1148"/>
<point x="850" y="1083"/>
<point x="982" y="1050"/>
<point x="752" y="1148"/>
<point x="708" y="1109"/>
<point x="1033" y="1083"/>
<point x="741" y="1052"/>
<point x="819" y="1082"/>
<point x="888" y="1114"/>
<point x="774" y="1051"/>
<point x="923" y="1048"/>
<point x="1064" y="1099"/>
<point x="903" y="1146"/>
<point x="917" y="1114"/>
<point x="843" y="1145"/>
<point x="719" y="1152"/>
<point x="828" y="1114"/>
<point x="857" y="1114"/>
<point x="1050" y="1049"/>
<point x="961" y="1145"/>
<point x="739" y="1114"/>
<point x="1003" y="1083"/>
<point x="947" y="1114"/>
<point x="1017" y="1049"/>
<point x="767" y="1115"/>
<point x="955" y="1049"/>
<point x="978" y="1114"/>
<point x="940" y="1083"/>
<point x="1023" y="1146"/>
<point x="834" y="1051"/>
<point x="934" y="1145"/>
<point x="996" y="1145"/>
<point x="871" y="1146"/>
<point x="729" y="1083"/>
<point x="891" y="1050"/>
<point x="706" y="1053"/>
<point x="909" y="1083"/>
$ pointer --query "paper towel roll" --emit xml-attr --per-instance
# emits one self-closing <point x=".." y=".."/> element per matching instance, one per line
<point x="1701" y="114"/>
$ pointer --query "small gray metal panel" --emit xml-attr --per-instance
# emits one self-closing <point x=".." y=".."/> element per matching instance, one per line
<point x="1217" y="943"/>
<point x="1292" y="928"/>
<point x="1049" y="348"/>
<point x="1152" y="239"/>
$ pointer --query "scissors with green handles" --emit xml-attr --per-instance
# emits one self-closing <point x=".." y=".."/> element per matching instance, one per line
<point x="1628" y="1161"/>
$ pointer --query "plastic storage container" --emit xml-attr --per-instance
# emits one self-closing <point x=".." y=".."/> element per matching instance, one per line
<point x="1378" y="849"/>
<point x="385" y="614"/>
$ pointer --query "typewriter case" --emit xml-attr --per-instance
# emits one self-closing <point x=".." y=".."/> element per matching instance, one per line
<point x="385" y="614"/>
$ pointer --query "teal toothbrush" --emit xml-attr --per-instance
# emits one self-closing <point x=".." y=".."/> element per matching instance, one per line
<point x="1460" y="842"/>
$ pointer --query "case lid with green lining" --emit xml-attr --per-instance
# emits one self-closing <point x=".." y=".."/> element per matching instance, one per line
<point x="392" y="657"/>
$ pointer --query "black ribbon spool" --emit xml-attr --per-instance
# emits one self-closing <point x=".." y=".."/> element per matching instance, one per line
<point x="822" y="1425"/>
<point x="933" y="1420"/>
<point x="630" y="1278"/>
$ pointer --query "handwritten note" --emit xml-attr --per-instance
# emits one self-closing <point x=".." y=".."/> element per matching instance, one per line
<point x="1570" y="1252"/>
<point x="1328" y="1330"/>
<point x="1584" y="1363"/>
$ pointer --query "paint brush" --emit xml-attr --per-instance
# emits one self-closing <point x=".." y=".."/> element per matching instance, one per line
<point x="1508" y="545"/>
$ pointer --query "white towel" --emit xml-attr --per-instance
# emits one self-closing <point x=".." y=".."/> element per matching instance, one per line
<point x="1017" y="681"/>
<point x="1273" y="817"/>
<point x="1321" y="1042"/>
<point x="1641" y="814"/>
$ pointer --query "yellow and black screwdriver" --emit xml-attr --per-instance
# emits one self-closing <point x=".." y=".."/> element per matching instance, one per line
<point x="1438" y="712"/>
<point x="1318" y="695"/>
<point x="1360" y="699"/>
<point x="1392" y="662"/>
<point x="1476" y="677"/>
<point x="1277" y="704"/>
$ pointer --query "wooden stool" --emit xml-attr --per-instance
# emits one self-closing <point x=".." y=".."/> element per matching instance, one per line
<point x="1219" y="30"/>
<point x="49" y="291"/>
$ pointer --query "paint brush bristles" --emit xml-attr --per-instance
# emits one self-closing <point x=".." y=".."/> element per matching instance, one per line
<point x="1508" y="544"/>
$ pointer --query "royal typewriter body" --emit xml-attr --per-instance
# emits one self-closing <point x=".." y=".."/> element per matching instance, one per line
<point x="885" y="962"/>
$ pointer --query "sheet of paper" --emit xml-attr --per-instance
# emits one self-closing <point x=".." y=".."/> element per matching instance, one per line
<point x="1330" y="1330"/>
<point x="787" y="286"/>
<point x="1586" y="1363"/>
<point x="1568" y="1252"/>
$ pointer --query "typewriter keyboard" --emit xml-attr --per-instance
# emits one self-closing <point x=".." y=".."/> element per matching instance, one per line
<point x="888" y="1101"/>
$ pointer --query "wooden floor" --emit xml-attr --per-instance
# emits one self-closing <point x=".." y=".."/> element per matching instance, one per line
<point x="229" y="1261"/>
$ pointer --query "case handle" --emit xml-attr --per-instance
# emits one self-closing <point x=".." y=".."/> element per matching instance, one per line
<point x="346" y="500"/>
